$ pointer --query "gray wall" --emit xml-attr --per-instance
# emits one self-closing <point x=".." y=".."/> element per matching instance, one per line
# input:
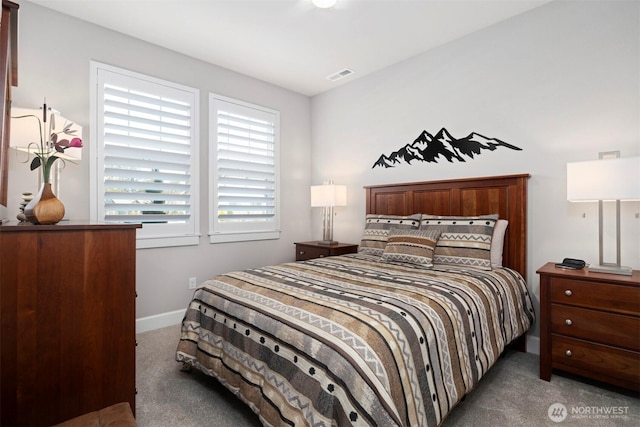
<point x="54" y="55"/>
<point x="562" y="82"/>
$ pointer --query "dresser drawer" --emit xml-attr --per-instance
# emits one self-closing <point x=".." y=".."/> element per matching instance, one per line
<point x="602" y="327"/>
<point x="601" y="362"/>
<point x="603" y="296"/>
<point x="310" y="252"/>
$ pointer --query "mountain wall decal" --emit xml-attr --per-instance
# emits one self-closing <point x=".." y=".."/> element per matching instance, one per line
<point x="430" y="148"/>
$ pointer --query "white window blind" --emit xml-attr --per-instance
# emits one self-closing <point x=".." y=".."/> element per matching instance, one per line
<point x="146" y="168"/>
<point x="244" y="171"/>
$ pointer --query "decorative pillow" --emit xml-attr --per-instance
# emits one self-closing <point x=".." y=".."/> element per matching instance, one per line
<point x="497" y="242"/>
<point x="413" y="246"/>
<point x="464" y="240"/>
<point x="376" y="229"/>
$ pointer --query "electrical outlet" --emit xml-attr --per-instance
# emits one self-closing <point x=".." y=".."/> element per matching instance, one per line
<point x="192" y="282"/>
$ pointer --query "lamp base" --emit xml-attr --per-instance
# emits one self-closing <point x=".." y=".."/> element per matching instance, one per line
<point x="611" y="269"/>
<point x="327" y="242"/>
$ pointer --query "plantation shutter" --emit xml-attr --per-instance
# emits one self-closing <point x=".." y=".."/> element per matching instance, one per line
<point x="245" y="170"/>
<point x="147" y="162"/>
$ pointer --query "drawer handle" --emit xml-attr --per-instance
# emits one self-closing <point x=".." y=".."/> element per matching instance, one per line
<point x="568" y="322"/>
<point x="568" y="353"/>
<point x="568" y="292"/>
<point x="301" y="252"/>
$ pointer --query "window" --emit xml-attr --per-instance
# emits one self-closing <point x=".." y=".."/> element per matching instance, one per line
<point x="145" y="169"/>
<point x="243" y="173"/>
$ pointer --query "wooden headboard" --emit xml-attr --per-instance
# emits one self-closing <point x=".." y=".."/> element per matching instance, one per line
<point x="504" y="195"/>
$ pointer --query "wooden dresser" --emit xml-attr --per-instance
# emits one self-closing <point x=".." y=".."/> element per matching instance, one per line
<point x="67" y="313"/>
<point x="590" y="325"/>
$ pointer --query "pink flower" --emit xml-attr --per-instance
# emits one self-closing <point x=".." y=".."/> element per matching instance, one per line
<point x="63" y="144"/>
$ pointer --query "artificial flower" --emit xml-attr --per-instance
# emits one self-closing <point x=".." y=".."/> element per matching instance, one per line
<point x="48" y="149"/>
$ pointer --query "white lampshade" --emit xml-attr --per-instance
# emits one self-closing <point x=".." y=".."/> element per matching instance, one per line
<point x="328" y="195"/>
<point x="605" y="179"/>
<point x="26" y="130"/>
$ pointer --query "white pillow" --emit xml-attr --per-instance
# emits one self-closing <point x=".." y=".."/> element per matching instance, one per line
<point x="497" y="242"/>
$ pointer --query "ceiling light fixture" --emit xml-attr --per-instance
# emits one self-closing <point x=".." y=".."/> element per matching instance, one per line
<point x="324" y="4"/>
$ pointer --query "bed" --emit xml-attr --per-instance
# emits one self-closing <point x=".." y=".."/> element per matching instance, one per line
<point x="396" y="334"/>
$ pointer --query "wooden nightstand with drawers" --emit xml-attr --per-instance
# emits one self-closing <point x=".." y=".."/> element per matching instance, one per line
<point x="590" y="325"/>
<point x="310" y="250"/>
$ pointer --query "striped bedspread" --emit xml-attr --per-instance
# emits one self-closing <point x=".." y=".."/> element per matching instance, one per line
<point x="353" y="340"/>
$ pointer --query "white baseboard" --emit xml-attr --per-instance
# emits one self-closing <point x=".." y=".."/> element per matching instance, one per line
<point x="158" y="321"/>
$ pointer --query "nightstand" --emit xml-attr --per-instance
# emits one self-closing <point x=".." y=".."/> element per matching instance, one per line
<point x="310" y="250"/>
<point x="590" y="325"/>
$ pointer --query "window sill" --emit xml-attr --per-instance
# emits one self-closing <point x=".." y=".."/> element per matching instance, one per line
<point x="167" y="242"/>
<point x="243" y="237"/>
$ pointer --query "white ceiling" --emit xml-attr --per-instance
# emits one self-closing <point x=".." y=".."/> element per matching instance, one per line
<point x="291" y="43"/>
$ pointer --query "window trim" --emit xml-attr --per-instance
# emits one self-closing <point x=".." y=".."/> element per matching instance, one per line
<point x="158" y="238"/>
<point x="215" y="235"/>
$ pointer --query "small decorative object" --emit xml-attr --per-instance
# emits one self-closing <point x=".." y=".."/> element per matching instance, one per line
<point x="45" y="207"/>
<point x="26" y="198"/>
<point x="429" y="148"/>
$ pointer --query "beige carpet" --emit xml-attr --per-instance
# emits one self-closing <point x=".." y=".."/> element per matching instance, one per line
<point x="511" y="394"/>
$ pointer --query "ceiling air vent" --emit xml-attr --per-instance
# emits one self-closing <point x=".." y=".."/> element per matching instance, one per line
<point x="340" y="74"/>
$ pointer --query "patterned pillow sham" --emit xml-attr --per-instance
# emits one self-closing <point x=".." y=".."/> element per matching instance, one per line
<point x="464" y="240"/>
<point x="376" y="229"/>
<point x="412" y="246"/>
